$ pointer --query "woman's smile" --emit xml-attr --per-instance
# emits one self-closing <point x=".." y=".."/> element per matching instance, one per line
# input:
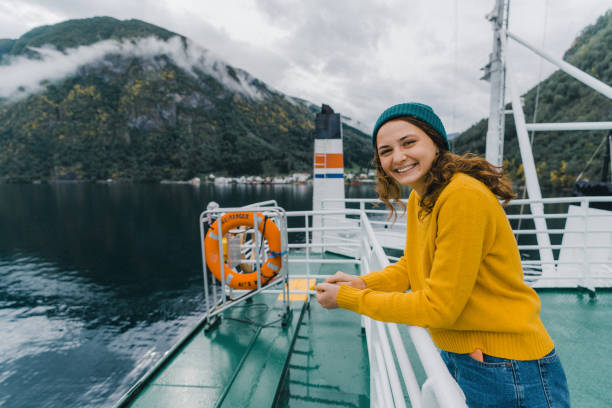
<point x="406" y="153"/>
<point x="405" y="168"/>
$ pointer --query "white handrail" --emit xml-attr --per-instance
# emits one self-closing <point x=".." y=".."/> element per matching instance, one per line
<point x="571" y="126"/>
<point x="412" y="385"/>
<point x="518" y="201"/>
<point x="396" y="387"/>
<point x="386" y="389"/>
<point x="386" y="348"/>
<point x="446" y="390"/>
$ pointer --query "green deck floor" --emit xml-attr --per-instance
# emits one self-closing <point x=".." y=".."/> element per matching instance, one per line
<point x="329" y="363"/>
<point x="234" y="365"/>
<point x="581" y="328"/>
<point x="241" y="364"/>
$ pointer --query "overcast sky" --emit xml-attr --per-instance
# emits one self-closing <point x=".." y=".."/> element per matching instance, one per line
<point x="358" y="56"/>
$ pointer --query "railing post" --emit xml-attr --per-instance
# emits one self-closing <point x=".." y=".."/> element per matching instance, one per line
<point x="307" y="242"/>
<point x="221" y="260"/>
<point x="204" y="267"/>
<point x="257" y="248"/>
<point x="584" y="206"/>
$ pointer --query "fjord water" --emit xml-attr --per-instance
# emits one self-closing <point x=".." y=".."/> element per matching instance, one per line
<point x="97" y="281"/>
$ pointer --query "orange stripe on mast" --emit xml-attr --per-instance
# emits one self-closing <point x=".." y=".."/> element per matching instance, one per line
<point x="328" y="161"/>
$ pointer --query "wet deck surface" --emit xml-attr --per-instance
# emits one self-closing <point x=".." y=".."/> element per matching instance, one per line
<point x="581" y="327"/>
<point x="240" y="363"/>
<point x="329" y="365"/>
<point x="232" y="365"/>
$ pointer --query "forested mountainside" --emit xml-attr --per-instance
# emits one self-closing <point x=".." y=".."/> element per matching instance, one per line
<point x="560" y="156"/>
<point x="146" y="104"/>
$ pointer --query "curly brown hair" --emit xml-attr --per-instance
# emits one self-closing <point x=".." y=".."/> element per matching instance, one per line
<point x="442" y="169"/>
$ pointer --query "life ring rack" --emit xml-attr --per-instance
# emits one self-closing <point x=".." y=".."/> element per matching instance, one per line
<point x="232" y="220"/>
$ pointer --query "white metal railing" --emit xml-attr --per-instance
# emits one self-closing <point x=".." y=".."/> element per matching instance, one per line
<point x="580" y="237"/>
<point x="572" y="126"/>
<point x="386" y="349"/>
<point x="383" y="339"/>
<point x="440" y="389"/>
<point x="215" y="304"/>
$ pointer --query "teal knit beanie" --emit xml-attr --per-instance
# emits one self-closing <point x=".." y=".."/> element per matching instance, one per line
<point x="418" y="110"/>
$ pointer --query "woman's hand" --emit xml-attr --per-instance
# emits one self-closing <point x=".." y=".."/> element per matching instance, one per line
<point x="341" y="278"/>
<point x="327" y="294"/>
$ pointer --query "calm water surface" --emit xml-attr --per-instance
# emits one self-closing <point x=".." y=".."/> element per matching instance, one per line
<point x="98" y="281"/>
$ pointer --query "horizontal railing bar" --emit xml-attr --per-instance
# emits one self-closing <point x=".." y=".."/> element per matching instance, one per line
<point x="220" y="307"/>
<point x="390" y="223"/>
<point x="311" y="276"/>
<point x="332" y="244"/>
<point x="309" y="229"/>
<point x="371" y="211"/>
<point x="530" y="216"/>
<point x="564" y="246"/>
<point x="518" y="201"/>
<point x="550" y="231"/>
<point x="568" y="126"/>
<point x="561" y="231"/>
<point x="551" y="216"/>
<point x="358" y="200"/>
<point x="577" y="262"/>
<point x="324" y="261"/>
<point x="577" y="276"/>
<point x="310" y="213"/>
<point x="561" y="200"/>
<point x="291" y="292"/>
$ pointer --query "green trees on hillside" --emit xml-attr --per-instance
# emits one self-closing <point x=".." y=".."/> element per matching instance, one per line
<point x="147" y="119"/>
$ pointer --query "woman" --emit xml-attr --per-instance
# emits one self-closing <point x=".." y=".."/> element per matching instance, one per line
<point x="461" y="264"/>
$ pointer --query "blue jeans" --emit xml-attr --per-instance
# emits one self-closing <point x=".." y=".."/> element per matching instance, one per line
<point x="499" y="382"/>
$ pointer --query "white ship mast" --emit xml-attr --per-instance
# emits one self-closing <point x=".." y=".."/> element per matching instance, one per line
<point x="499" y="72"/>
<point x="495" y="73"/>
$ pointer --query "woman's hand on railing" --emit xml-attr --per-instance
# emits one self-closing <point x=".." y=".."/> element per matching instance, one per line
<point x="341" y="278"/>
<point x="327" y="294"/>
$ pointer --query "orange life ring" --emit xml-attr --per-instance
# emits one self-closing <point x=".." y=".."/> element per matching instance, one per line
<point x="233" y="279"/>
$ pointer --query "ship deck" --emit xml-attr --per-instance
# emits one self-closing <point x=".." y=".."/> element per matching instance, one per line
<point x="251" y="360"/>
<point x="320" y="357"/>
<point x="581" y="327"/>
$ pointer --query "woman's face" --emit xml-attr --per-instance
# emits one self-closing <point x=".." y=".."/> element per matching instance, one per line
<point x="406" y="153"/>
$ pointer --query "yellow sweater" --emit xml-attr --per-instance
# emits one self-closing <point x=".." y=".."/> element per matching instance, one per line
<point x="463" y="269"/>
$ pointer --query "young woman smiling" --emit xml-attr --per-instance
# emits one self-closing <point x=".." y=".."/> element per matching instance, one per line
<point x="460" y="276"/>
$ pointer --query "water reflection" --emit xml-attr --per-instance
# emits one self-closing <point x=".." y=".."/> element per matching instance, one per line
<point x="74" y="342"/>
<point x="97" y="281"/>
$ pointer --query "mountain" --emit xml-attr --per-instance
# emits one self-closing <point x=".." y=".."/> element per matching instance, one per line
<point x="102" y="98"/>
<point x="560" y="156"/>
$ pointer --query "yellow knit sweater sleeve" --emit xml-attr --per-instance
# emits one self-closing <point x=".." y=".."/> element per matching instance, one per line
<point x="463" y="230"/>
<point x="393" y="278"/>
